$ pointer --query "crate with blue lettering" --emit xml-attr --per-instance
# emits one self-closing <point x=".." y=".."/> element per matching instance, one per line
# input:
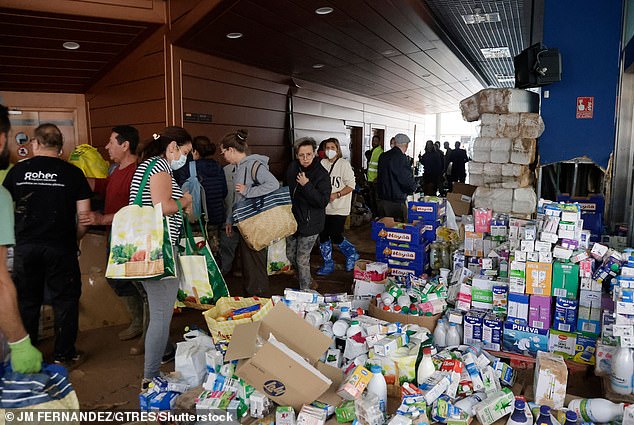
<point x="434" y="210"/>
<point x="388" y="230"/>
<point x="592" y="209"/>
<point x="429" y="229"/>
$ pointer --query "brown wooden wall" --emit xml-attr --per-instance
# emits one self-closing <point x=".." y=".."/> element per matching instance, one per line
<point x="133" y="93"/>
<point x="241" y="96"/>
<point x="139" y="10"/>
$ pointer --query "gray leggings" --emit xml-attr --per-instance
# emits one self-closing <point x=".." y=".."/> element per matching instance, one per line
<point x="161" y="295"/>
<point x="298" y="252"/>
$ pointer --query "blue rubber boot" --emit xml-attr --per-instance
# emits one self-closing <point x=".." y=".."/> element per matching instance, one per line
<point x="350" y="252"/>
<point x="326" y="254"/>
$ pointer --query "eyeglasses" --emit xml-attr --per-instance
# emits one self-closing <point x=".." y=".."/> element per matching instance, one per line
<point x="305" y="155"/>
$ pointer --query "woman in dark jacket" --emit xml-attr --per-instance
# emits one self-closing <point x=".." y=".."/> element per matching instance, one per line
<point x="310" y="189"/>
<point x="212" y="178"/>
<point x="433" y="165"/>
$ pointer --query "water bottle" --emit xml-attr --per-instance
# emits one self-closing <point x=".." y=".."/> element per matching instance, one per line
<point x="544" y="416"/>
<point x="622" y="371"/>
<point x="518" y="417"/>
<point x="378" y="387"/>
<point x="440" y="334"/>
<point x="597" y="410"/>
<point x="453" y="336"/>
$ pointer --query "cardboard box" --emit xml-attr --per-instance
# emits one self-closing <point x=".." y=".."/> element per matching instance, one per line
<point x="585" y="349"/>
<point x="286" y="367"/>
<point x="413" y="256"/>
<point x="551" y="378"/>
<point x="562" y="343"/>
<point x="460" y="198"/>
<point x="482" y="293"/>
<point x="524" y="339"/>
<point x="362" y="287"/>
<point x="539" y="311"/>
<point x="518" y="308"/>
<point x="565" y="280"/>
<point x="492" y="332"/>
<point x="473" y="322"/>
<point x="426" y="211"/>
<point x="538" y="278"/>
<point x="361" y="273"/>
<point x="517" y="277"/>
<point x="428" y="322"/>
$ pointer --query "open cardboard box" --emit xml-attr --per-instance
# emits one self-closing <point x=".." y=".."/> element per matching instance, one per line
<point x="286" y="369"/>
<point x="428" y="322"/>
<point x="460" y="198"/>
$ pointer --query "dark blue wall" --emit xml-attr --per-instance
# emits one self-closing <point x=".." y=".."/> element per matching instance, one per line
<point x="588" y="35"/>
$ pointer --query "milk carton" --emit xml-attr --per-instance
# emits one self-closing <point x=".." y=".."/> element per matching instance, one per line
<point x="500" y="298"/>
<point x="482" y="293"/>
<point x="473" y="322"/>
<point x="518" y="308"/>
<point x="551" y="377"/>
<point x="563" y="343"/>
<point x="492" y="332"/>
<point x="495" y="407"/>
<point x="470" y="364"/>
<point x="517" y="277"/>
<point x="565" y="317"/>
<point x="434" y="386"/>
<point x="539" y="311"/>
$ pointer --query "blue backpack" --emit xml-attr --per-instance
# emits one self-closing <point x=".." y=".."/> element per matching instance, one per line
<point x="193" y="186"/>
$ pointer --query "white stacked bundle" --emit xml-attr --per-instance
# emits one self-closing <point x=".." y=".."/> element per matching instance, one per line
<point x="506" y="148"/>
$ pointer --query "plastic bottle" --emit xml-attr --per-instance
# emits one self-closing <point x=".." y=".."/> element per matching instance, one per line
<point x="597" y="410"/>
<point x="518" y="417"/>
<point x="453" y="336"/>
<point x="340" y="328"/>
<point x="440" y="334"/>
<point x="461" y="332"/>
<point x="345" y="313"/>
<point x="387" y="298"/>
<point x="354" y="328"/>
<point x="403" y="300"/>
<point x="467" y="403"/>
<point x="378" y="387"/>
<point x="544" y="416"/>
<point x="622" y="371"/>
<point x="426" y="366"/>
<point x="571" y="418"/>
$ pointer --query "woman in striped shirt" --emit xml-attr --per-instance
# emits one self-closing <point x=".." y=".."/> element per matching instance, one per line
<point x="170" y="147"/>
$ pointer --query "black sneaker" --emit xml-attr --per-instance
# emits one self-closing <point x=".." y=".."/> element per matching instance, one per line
<point x="72" y="362"/>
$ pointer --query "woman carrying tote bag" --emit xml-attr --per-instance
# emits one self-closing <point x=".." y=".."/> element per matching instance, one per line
<point x="170" y="148"/>
<point x="252" y="178"/>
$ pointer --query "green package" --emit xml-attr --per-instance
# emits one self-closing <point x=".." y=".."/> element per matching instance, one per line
<point x="345" y="412"/>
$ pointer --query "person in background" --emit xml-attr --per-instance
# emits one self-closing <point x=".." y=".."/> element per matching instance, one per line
<point x="170" y="148"/>
<point x="212" y="178"/>
<point x="395" y="180"/>
<point x="49" y="193"/>
<point x="235" y="150"/>
<point x="432" y="169"/>
<point x="24" y="357"/>
<point x="310" y="190"/>
<point x="448" y="151"/>
<point x="229" y="236"/>
<point x="338" y="209"/>
<point x="437" y="146"/>
<point x="458" y="160"/>
<point x="115" y="190"/>
<point x="373" y="156"/>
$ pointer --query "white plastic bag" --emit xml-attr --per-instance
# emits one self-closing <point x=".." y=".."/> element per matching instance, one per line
<point x="277" y="262"/>
<point x="190" y="360"/>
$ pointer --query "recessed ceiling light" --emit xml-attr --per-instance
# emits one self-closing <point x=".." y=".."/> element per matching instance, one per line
<point x="234" y="35"/>
<point x="324" y="10"/>
<point x="71" y="45"/>
<point x="481" y="18"/>
<point x="387" y="52"/>
<point x="496" y="52"/>
<point x="318" y="65"/>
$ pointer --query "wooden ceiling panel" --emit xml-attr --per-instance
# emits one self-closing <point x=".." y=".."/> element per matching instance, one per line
<point x="33" y="57"/>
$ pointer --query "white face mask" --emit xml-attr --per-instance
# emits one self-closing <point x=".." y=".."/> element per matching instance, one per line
<point x="178" y="163"/>
<point x="330" y="154"/>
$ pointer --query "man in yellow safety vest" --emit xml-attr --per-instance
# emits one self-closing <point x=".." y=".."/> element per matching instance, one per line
<point x="373" y="170"/>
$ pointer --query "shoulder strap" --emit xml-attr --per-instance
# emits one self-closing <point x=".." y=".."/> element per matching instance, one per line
<point x="254" y="172"/>
<point x="333" y="166"/>
<point x="192" y="169"/>
<point x="138" y="200"/>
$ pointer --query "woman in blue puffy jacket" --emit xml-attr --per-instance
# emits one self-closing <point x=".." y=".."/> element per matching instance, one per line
<point x="212" y="179"/>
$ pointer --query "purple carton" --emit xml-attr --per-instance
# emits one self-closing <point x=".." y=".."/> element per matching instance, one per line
<point x="539" y="311"/>
<point x="565" y="316"/>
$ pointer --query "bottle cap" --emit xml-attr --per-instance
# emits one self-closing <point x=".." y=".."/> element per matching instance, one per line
<point x="571" y="416"/>
<point x="375" y="368"/>
<point x="544" y="410"/>
<point x="614" y="267"/>
<point x="427" y="350"/>
<point x="354" y="322"/>
<point x="405" y="310"/>
<point x="519" y="404"/>
<point x="345" y="309"/>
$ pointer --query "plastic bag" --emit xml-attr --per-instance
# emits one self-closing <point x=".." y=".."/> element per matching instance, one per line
<point x="277" y="261"/>
<point x="90" y="161"/>
<point x="191" y="360"/>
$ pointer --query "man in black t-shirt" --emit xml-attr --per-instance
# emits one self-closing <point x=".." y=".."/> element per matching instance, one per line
<point x="49" y="193"/>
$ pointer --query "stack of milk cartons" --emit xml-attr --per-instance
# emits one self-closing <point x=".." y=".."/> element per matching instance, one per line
<point x="505" y="150"/>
